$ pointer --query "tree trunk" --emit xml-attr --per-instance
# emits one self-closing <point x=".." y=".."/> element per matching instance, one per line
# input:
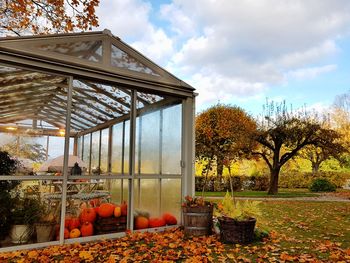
<point x="274" y="174"/>
<point x="219" y="166"/>
<point x="315" y="167"/>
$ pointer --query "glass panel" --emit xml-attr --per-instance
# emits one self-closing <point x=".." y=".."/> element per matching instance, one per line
<point x="95" y="153"/>
<point x="171" y="197"/>
<point x="126" y="147"/>
<point x="79" y="147"/>
<point x="117" y="148"/>
<point x="171" y="141"/>
<point x="149" y="196"/>
<point x="96" y="197"/>
<point x="86" y="151"/>
<point x="28" y="203"/>
<point x="88" y="50"/>
<point x="56" y="146"/>
<point x="104" y="150"/>
<point x="150" y="143"/>
<point x="121" y="59"/>
<point x="125" y="190"/>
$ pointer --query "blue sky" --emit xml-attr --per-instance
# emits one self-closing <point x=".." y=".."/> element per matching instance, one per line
<point x="242" y="52"/>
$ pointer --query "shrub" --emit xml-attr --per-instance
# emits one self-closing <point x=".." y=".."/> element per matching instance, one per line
<point x="322" y="185"/>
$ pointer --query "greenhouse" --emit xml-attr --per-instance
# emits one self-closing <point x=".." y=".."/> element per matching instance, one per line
<point x="93" y="136"/>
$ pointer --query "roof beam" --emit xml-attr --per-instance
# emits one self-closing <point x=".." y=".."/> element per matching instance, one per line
<point x="89" y="97"/>
<point x="106" y="93"/>
<point x="78" y="106"/>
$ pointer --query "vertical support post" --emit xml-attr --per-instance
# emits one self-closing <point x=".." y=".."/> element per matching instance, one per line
<point x="188" y="146"/>
<point x="132" y="160"/>
<point x="47" y="147"/>
<point x="65" y="158"/>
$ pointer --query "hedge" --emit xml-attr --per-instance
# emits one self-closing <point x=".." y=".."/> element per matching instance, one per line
<point x="292" y="179"/>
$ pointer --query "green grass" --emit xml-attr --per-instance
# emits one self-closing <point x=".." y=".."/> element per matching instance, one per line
<point x="283" y="193"/>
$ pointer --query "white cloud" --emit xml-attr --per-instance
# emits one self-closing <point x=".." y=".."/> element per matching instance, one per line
<point x="312" y="72"/>
<point x="130" y="20"/>
<point x="255" y="41"/>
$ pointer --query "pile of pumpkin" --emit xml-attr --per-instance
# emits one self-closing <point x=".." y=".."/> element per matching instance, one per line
<point x="84" y="224"/>
<point x="142" y="220"/>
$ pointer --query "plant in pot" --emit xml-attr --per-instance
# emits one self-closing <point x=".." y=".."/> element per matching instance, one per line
<point x="8" y="166"/>
<point x="237" y="219"/>
<point x="24" y="213"/>
<point x="45" y="226"/>
<point x="197" y="216"/>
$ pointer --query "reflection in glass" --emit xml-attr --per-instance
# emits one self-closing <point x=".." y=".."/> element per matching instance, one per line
<point x="95" y="150"/>
<point x="149" y="196"/>
<point x="150" y="127"/>
<point x="117" y="148"/>
<point x="104" y="150"/>
<point x="88" y="50"/>
<point x="86" y="151"/>
<point x="171" y="141"/>
<point x="171" y="197"/>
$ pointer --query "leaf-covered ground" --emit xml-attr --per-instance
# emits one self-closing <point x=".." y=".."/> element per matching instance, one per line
<point x="300" y="232"/>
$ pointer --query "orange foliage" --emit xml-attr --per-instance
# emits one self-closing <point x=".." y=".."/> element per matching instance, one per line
<point x="42" y="16"/>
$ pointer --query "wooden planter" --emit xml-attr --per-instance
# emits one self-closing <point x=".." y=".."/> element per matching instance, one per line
<point x="197" y="221"/>
<point x="233" y="231"/>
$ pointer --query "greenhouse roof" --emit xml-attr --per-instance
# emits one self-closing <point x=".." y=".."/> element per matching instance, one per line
<point x="34" y="71"/>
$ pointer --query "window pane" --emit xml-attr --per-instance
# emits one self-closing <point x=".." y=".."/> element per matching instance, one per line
<point x="95" y="193"/>
<point x="28" y="203"/>
<point x="86" y="151"/>
<point x="104" y="151"/>
<point x="79" y="153"/>
<point x="171" y="197"/>
<point x="149" y="196"/>
<point x="117" y="149"/>
<point x="126" y="147"/>
<point x="150" y="143"/>
<point x="95" y="150"/>
<point x="171" y="142"/>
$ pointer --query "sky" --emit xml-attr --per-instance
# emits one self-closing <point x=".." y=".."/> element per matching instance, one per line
<point x="242" y="51"/>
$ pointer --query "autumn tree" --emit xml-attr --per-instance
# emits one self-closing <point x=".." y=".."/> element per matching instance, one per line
<point x="46" y="16"/>
<point x="332" y="147"/>
<point x="282" y="135"/>
<point x="35" y="152"/>
<point x="223" y="132"/>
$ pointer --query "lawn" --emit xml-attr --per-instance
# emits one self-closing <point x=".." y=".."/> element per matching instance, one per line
<point x="282" y="193"/>
<point x="299" y="232"/>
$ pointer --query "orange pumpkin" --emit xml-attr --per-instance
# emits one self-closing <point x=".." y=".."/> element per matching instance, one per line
<point x="141" y="222"/>
<point x="156" y="222"/>
<point x="96" y="209"/>
<point x="67" y="222"/>
<point x="124" y="208"/>
<point x="169" y="219"/>
<point x="117" y="211"/>
<point x="74" y="223"/>
<point x="87" y="215"/>
<point x="106" y="210"/>
<point x="66" y="233"/>
<point x="74" y="233"/>
<point x="87" y="229"/>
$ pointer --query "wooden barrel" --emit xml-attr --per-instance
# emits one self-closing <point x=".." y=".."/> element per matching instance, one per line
<point x="198" y="221"/>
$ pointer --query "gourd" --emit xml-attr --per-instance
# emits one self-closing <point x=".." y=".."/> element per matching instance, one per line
<point x="169" y="219"/>
<point x="117" y="211"/>
<point x="106" y="210"/>
<point x="87" y="229"/>
<point x="124" y="208"/>
<point x="74" y="223"/>
<point x="74" y="233"/>
<point x="88" y="215"/>
<point x="141" y="222"/>
<point x="156" y="222"/>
